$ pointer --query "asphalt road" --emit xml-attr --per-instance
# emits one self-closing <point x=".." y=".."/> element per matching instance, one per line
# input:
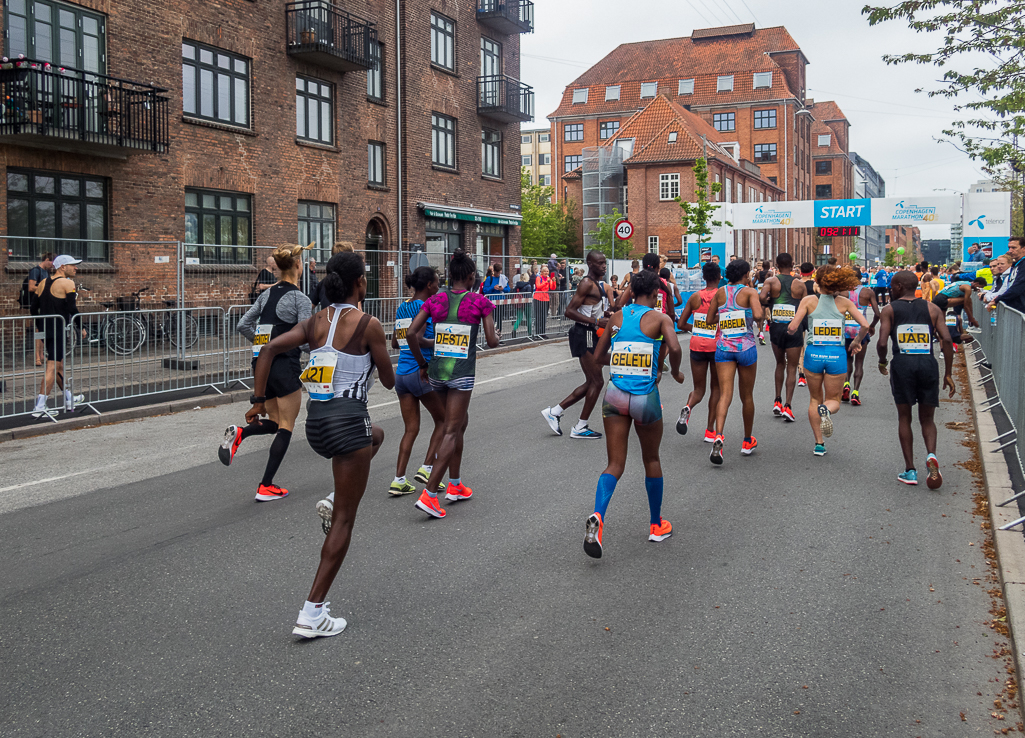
<point x="144" y="593"/>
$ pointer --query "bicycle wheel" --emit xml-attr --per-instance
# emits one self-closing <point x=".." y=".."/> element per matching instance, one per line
<point x="125" y="335"/>
<point x="191" y="330"/>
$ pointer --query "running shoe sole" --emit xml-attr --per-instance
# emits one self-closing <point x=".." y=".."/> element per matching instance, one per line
<point x="655" y="538"/>
<point x="934" y="480"/>
<point x="789" y="416"/>
<point x="458" y="498"/>
<point x="819" y="453"/>
<point x="716" y="456"/>
<point x="825" y="421"/>
<point x="400" y="491"/>
<point x="224" y="452"/>
<point x="421" y="477"/>
<point x="592" y="546"/>
<point x="326" y="511"/>
<point x="709" y="440"/>
<point x="553" y="422"/>
<point x="433" y="513"/>
<point x="319" y="631"/>
<point x="683" y="422"/>
<point x="776" y="411"/>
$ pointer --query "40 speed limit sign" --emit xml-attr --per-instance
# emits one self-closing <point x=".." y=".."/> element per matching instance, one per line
<point x="624" y="229"/>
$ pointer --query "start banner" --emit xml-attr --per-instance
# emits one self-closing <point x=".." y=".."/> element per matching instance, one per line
<point x="882" y="211"/>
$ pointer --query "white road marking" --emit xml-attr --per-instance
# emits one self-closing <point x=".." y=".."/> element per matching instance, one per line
<point x="51" y="479"/>
<point x="484" y="381"/>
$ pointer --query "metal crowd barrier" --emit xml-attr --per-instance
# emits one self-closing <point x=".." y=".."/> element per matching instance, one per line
<point x="20" y="377"/>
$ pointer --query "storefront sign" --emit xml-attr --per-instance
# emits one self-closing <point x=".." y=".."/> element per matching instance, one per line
<point x="458" y="215"/>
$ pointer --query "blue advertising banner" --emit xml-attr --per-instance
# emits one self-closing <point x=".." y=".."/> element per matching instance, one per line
<point x="698" y="255"/>
<point x="843" y="213"/>
<point x="976" y="249"/>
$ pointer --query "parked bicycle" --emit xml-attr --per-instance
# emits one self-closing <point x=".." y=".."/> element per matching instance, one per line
<point x="125" y="334"/>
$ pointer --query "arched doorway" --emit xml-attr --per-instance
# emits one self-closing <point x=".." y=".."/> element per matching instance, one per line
<point x="374" y="258"/>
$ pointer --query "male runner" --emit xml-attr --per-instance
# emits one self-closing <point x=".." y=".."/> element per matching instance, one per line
<point x="808" y="277"/>
<point x="957" y="296"/>
<point x="664" y="302"/>
<point x="589" y="311"/>
<point x="912" y="322"/>
<point x="864" y="297"/>
<point x="782" y="294"/>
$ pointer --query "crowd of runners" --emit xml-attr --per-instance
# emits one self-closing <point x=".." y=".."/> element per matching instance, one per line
<point x="820" y="325"/>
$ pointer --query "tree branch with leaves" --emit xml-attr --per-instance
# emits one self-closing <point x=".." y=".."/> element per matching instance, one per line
<point x="699" y="216"/>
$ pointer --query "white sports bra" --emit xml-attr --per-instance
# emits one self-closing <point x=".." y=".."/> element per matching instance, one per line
<point x="332" y="373"/>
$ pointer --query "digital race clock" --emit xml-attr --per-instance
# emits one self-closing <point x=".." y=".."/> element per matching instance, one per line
<point x="840" y="231"/>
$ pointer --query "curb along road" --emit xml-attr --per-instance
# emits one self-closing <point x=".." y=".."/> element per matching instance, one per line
<point x="1010" y="544"/>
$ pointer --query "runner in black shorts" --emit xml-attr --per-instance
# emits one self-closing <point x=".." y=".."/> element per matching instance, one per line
<point x="915" y="380"/>
<point x="782" y="294"/>
<point x="589" y="309"/>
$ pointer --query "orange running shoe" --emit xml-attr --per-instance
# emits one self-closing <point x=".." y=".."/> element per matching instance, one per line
<point x="777" y="408"/>
<point x="709" y="436"/>
<point x="268" y="492"/>
<point x="430" y="505"/>
<point x="748" y="447"/>
<point x="457" y="492"/>
<point x="592" y="536"/>
<point x="230" y="444"/>
<point x="661" y="531"/>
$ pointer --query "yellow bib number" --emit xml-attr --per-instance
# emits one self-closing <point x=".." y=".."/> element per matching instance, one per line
<point x="827" y="332"/>
<point x="318" y="377"/>
<point x="262" y="338"/>
<point x="733" y="323"/>
<point x="401" y="327"/>
<point x="631" y="358"/>
<point x="702" y="328"/>
<point x="914" y="338"/>
<point x="783" y="313"/>
<point x="452" y="340"/>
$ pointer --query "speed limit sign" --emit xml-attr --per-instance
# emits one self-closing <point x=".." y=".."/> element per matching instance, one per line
<point x="624" y="229"/>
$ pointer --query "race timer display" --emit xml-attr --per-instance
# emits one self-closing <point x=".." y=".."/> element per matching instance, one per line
<point x="840" y="231"/>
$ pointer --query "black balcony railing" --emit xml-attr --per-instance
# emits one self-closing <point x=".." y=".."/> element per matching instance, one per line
<point x="45" y="105"/>
<point x="504" y="98"/>
<point x="507" y="16"/>
<point x="327" y="36"/>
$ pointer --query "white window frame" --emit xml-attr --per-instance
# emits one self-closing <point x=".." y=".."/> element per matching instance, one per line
<point x="611" y="92"/>
<point x="724" y="83"/>
<point x="719" y="193"/>
<point x="652" y="244"/>
<point x="762" y="80"/>
<point x="728" y="189"/>
<point x="526" y="160"/>
<point x="544" y="138"/>
<point x="580" y="96"/>
<point x="544" y="160"/>
<point x="668" y="187"/>
<point x="740" y="192"/>
<point x="375" y="164"/>
<point x="825" y="139"/>
<point x="672" y="136"/>
<point x="649" y="89"/>
<point x="686" y="87"/>
<point x="526" y="139"/>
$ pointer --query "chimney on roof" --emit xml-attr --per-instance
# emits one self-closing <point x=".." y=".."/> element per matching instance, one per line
<point x="809" y="103"/>
<point x="739" y="30"/>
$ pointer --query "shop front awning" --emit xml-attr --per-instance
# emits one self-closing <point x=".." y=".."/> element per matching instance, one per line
<point x="433" y="210"/>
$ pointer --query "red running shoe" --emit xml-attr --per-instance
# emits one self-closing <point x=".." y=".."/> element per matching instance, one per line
<point x="268" y="492"/>
<point x="788" y="414"/>
<point x="662" y="531"/>
<point x="429" y="505"/>
<point x="457" y="492"/>
<point x="748" y="447"/>
<point x="709" y="436"/>
<point x="230" y="444"/>
<point x="777" y="408"/>
<point x="846" y="397"/>
<point x="801" y="381"/>
<point x="855" y="398"/>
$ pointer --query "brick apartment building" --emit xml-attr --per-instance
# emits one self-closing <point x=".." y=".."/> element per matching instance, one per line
<point x="833" y="176"/>
<point x="200" y="147"/>
<point x="746" y="83"/>
<point x="908" y="238"/>
<point x="536" y="155"/>
<point x="660" y="145"/>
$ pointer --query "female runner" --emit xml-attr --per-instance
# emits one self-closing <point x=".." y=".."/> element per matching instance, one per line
<point x="414" y="391"/>
<point x="825" y="360"/>
<point x="458" y="315"/>
<point x="702" y="351"/>
<point x="345" y="346"/>
<point x="276" y="311"/>
<point x="736" y="307"/>
<point x="631" y="346"/>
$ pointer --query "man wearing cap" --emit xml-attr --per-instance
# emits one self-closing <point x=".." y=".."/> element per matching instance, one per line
<point x="57" y="297"/>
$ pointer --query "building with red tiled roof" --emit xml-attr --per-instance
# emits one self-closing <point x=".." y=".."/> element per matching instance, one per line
<point x="746" y="83"/>
<point x="832" y="171"/>
<point x="660" y="145"/>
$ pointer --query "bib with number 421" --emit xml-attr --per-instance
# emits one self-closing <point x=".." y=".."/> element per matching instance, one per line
<point x="318" y="376"/>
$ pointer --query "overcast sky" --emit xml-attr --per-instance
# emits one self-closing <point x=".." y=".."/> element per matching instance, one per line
<point x="891" y="125"/>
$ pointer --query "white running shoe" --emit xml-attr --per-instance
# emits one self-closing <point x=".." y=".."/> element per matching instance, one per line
<point x="322" y="627"/>
<point x="553" y="420"/>
<point x="74" y="400"/>
<point x="326" y="510"/>
<point x="585" y="433"/>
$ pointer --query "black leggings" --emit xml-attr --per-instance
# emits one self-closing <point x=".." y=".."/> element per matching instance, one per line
<point x="540" y="317"/>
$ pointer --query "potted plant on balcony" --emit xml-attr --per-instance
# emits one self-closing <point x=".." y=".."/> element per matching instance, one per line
<point x="308" y="37"/>
<point x="13" y="71"/>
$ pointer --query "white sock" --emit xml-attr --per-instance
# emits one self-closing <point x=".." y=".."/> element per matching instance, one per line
<point x="557" y="411"/>
<point x="331" y="497"/>
<point x="399" y="480"/>
<point x="428" y="468"/>
<point x="581" y="424"/>
<point x="454" y="482"/>
<point x="67" y="396"/>
<point x="313" y="609"/>
<point x="40" y="400"/>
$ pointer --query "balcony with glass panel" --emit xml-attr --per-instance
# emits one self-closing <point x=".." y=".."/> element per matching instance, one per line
<point x="49" y="106"/>
<point x="506" y="16"/>
<point x="321" y="33"/>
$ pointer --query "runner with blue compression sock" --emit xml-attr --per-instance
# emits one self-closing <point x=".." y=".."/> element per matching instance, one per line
<point x="633" y="345"/>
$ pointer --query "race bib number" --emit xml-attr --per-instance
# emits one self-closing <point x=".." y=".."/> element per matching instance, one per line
<point x="632" y="359"/>
<point x="261" y="339"/>
<point x="733" y="323"/>
<point x="828" y="332"/>
<point x="951" y="319"/>
<point x="318" y="377"/>
<point x="914" y="338"/>
<point x="783" y="313"/>
<point x="702" y="328"/>
<point x="401" y="326"/>
<point x="660" y="303"/>
<point x="452" y="341"/>
<point x="851" y="322"/>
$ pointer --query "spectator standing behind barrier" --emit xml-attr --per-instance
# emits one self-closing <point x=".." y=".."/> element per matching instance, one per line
<point x="523" y="311"/>
<point x="1012" y="292"/>
<point x="57" y="297"/>
<point x="497" y="284"/>
<point x="36" y="276"/>
<point x="313" y="288"/>
<point x="545" y="283"/>
<point x="264" y="280"/>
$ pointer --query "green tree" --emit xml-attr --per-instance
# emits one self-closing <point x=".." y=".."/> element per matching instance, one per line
<point x="698" y="216"/>
<point x="985" y="38"/>
<point x="603" y="237"/>
<point x="547" y="227"/>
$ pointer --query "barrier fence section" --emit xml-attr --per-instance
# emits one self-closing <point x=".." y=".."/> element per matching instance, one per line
<point x="21" y="377"/>
<point x="1002" y="338"/>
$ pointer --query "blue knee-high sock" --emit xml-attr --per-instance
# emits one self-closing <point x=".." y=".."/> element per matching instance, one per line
<point x="654" y="487"/>
<point x="602" y="496"/>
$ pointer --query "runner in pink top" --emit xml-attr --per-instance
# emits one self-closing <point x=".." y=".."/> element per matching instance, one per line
<point x="702" y="350"/>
